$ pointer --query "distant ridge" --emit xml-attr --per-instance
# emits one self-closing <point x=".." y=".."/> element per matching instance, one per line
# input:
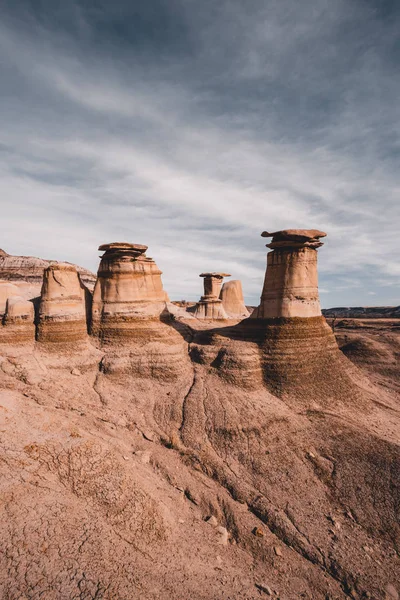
<point x="363" y="312"/>
<point x="27" y="272"/>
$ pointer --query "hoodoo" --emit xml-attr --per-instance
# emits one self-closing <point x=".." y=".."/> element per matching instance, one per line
<point x="128" y="289"/>
<point x="131" y="317"/>
<point x="210" y="305"/>
<point x="232" y="299"/>
<point x="62" y="309"/>
<point x="291" y="280"/>
<point x="298" y="348"/>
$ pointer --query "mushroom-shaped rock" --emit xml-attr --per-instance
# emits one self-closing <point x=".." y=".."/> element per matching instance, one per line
<point x="128" y="288"/>
<point x="298" y="358"/>
<point x="210" y="305"/>
<point x="212" y="284"/>
<point x="291" y="279"/>
<point x="295" y="238"/>
<point x="62" y="309"/>
<point x="131" y="318"/>
<point x="232" y="299"/>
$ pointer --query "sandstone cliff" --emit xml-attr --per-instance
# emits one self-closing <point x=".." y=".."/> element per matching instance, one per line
<point x="27" y="273"/>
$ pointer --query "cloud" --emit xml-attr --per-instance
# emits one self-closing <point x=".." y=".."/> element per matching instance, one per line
<point x="233" y="120"/>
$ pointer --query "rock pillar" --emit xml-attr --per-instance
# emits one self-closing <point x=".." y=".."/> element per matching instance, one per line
<point x="62" y="308"/>
<point x="18" y="322"/>
<point x="291" y="279"/>
<point x="210" y="305"/>
<point x="128" y="289"/>
<point x="7" y="290"/>
<point x="233" y="301"/>
<point x="16" y="316"/>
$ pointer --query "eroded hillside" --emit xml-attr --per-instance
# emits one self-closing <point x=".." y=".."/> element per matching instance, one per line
<point x="168" y="456"/>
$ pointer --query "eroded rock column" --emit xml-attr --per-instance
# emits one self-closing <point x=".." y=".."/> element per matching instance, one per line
<point x="16" y="316"/>
<point x="299" y="355"/>
<point x="7" y="290"/>
<point x="128" y="288"/>
<point x="291" y="279"/>
<point x="62" y="309"/>
<point x="210" y="305"/>
<point x="233" y="300"/>
<point x="18" y="322"/>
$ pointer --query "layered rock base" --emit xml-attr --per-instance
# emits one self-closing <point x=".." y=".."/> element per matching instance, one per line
<point x="18" y="322"/>
<point x="63" y="306"/>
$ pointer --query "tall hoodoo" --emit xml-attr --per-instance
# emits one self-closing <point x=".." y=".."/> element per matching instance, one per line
<point x="232" y="299"/>
<point x="291" y="280"/>
<point x="128" y="288"/>
<point x="210" y="305"/>
<point x="62" y="309"/>
<point x="297" y="348"/>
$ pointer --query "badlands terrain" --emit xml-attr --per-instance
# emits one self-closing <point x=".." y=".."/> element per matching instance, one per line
<point x="153" y="451"/>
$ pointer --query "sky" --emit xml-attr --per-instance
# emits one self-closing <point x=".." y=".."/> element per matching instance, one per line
<point x="192" y="127"/>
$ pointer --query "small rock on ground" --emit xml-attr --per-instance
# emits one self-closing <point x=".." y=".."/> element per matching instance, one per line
<point x="391" y="592"/>
<point x="264" y="588"/>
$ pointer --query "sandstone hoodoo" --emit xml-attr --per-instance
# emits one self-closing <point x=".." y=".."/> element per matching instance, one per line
<point x="232" y="299"/>
<point x="298" y="346"/>
<point x="286" y="339"/>
<point x="291" y="280"/>
<point x="210" y="305"/>
<point x="130" y="316"/>
<point x="128" y="288"/>
<point x="63" y="305"/>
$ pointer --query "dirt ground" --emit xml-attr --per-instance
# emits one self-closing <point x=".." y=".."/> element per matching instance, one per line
<point x="172" y="469"/>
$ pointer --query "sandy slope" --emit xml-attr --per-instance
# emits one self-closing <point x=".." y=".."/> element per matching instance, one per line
<point x="113" y="458"/>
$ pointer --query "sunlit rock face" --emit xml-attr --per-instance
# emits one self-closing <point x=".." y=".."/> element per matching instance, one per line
<point x="130" y="316"/>
<point x="232" y="299"/>
<point x="210" y="305"/>
<point x="63" y="306"/>
<point x="128" y="288"/>
<point x="291" y="280"/>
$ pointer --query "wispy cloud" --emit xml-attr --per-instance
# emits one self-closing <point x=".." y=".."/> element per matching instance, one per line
<point x="234" y="118"/>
